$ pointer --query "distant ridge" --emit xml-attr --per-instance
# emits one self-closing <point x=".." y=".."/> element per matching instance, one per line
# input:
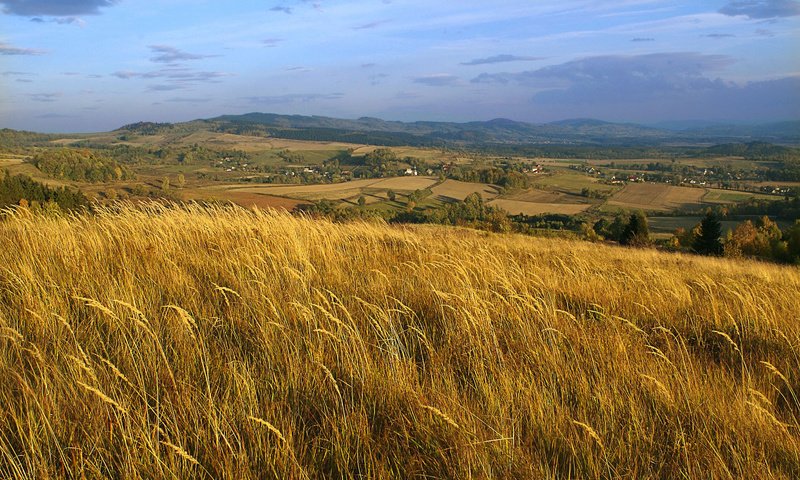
<point x="498" y="131"/>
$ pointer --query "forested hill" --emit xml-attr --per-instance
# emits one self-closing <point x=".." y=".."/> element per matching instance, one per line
<point x="494" y="132"/>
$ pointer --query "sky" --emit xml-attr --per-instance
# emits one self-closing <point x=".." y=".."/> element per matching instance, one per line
<point x="95" y="65"/>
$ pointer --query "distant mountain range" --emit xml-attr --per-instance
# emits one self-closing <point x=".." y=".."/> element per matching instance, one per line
<point x="493" y="132"/>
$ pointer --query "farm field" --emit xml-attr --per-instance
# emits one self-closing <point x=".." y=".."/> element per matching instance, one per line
<point x="335" y="191"/>
<point x="515" y="207"/>
<point x="650" y="196"/>
<point x="714" y="195"/>
<point x="537" y="195"/>
<point x="451" y="190"/>
<point x="568" y="181"/>
<point x="246" y="199"/>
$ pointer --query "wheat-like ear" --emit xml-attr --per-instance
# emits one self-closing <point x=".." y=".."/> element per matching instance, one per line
<point x="139" y="317"/>
<point x="186" y="319"/>
<point x="441" y="415"/>
<point x="772" y="368"/>
<point x="225" y="291"/>
<point x="759" y="396"/>
<point x="331" y="378"/>
<point x="269" y="426"/>
<point x="661" y="387"/>
<point x="12" y="333"/>
<point x="767" y="414"/>
<point x="326" y="332"/>
<point x="116" y="371"/>
<point x="728" y="338"/>
<point x="181" y="452"/>
<point x="90" y="302"/>
<point x="591" y="432"/>
<point x="102" y="396"/>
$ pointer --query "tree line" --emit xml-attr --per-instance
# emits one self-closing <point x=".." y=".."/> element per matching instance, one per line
<point x="23" y="190"/>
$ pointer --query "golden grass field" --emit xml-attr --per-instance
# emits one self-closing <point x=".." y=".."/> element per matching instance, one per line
<point x="158" y="341"/>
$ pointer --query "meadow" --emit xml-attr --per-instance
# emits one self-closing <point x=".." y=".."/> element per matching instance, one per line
<point x="179" y="341"/>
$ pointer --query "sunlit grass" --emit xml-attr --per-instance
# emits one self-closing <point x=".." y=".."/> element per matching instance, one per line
<point x="164" y="341"/>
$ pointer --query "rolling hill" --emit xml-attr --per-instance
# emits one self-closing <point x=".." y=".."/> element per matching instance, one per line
<point x="178" y="341"/>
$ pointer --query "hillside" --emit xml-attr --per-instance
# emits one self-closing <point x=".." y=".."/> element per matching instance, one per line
<point x="164" y="341"/>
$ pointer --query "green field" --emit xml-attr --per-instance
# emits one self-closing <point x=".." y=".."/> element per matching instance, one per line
<point x="732" y="196"/>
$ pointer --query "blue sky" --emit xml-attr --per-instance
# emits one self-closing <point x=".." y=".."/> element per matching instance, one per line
<point x="92" y="65"/>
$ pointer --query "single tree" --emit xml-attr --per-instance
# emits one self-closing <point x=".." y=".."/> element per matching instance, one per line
<point x="708" y="242"/>
<point x="180" y="182"/>
<point x="636" y="233"/>
<point x="362" y="201"/>
<point x="392" y="196"/>
<point x="615" y="229"/>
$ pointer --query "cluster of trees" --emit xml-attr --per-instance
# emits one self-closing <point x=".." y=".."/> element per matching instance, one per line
<point x="631" y="230"/>
<point x="81" y="165"/>
<point x="290" y="157"/>
<point x="146" y="128"/>
<point x="594" y="193"/>
<point x="23" y="190"/>
<point x="762" y="239"/>
<point x="159" y="155"/>
<point x="553" y="221"/>
<point x="789" y="171"/>
<point x="472" y="212"/>
<point x="507" y="178"/>
<point x="381" y="162"/>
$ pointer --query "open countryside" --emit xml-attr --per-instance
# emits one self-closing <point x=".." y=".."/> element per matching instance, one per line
<point x="551" y="239"/>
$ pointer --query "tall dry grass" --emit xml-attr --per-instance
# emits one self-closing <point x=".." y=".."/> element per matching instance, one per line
<point x="187" y="342"/>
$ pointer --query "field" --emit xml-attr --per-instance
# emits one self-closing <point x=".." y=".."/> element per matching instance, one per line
<point x="185" y="342"/>
<point x="571" y="182"/>
<point x="649" y="196"/>
<point x="515" y="207"/>
<point x="335" y="191"/>
<point x="248" y="199"/>
<point x="714" y="195"/>
<point x="536" y="202"/>
<point x="451" y="190"/>
<point x="663" y="227"/>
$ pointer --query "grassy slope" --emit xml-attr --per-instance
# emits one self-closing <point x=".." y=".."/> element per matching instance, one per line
<point x="157" y="342"/>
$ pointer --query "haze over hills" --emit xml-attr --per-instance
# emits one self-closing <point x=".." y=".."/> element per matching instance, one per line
<point x="498" y="131"/>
